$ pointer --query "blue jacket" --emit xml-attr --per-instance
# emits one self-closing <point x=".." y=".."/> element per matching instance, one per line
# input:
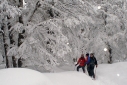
<point x="88" y="60"/>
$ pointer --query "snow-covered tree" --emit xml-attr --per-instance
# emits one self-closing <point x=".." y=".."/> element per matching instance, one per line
<point x="8" y="13"/>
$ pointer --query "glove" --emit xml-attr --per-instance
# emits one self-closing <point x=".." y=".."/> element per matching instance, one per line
<point x="96" y="66"/>
<point x="76" y="64"/>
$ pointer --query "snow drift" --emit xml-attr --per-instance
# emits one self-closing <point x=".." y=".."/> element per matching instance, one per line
<point x="21" y="76"/>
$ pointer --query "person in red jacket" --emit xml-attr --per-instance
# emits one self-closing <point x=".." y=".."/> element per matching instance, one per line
<point x="81" y="63"/>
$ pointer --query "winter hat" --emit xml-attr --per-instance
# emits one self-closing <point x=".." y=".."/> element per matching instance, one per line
<point x="87" y="54"/>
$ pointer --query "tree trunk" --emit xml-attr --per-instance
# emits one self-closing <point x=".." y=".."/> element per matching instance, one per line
<point x="7" y="43"/>
<point x="2" y="50"/>
<point x="36" y="7"/>
<point x="20" y="21"/>
<point x="20" y="3"/>
<point x="15" y="38"/>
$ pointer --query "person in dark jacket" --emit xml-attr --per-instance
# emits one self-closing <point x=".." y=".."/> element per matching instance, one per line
<point x="81" y="63"/>
<point x="90" y="66"/>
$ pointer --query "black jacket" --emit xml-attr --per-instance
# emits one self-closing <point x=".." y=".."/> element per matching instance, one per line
<point x="93" y="61"/>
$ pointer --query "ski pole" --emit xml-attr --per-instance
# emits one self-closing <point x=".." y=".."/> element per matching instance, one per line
<point x="95" y="71"/>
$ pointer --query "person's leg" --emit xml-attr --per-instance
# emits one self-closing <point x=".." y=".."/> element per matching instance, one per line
<point x="88" y="69"/>
<point x="83" y="68"/>
<point x="92" y="71"/>
<point x="78" y="68"/>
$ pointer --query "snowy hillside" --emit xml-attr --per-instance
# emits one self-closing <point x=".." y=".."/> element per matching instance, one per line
<point x="22" y="77"/>
<point x="106" y="74"/>
<point x="50" y="33"/>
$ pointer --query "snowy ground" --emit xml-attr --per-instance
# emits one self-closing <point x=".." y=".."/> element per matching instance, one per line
<point x="106" y="74"/>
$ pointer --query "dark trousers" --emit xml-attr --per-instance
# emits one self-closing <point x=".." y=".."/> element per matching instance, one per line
<point x="90" y="69"/>
<point x="83" y="68"/>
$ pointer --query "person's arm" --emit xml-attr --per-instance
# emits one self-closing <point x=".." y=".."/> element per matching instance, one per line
<point x="77" y="62"/>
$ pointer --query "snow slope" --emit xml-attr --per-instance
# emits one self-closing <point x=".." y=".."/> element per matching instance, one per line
<point x="22" y="76"/>
<point x="112" y="74"/>
<point x="106" y="74"/>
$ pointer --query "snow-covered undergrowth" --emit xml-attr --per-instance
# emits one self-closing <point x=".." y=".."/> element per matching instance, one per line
<point x="106" y="74"/>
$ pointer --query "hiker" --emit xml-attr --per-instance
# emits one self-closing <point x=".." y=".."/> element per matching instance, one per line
<point x="20" y="62"/>
<point x="81" y="63"/>
<point x="87" y="61"/>
<point x="87" y="58"/>
<point x="91" y="64"/>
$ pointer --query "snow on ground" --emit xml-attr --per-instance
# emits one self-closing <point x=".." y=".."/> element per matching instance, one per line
<point x="22" y="76"/>
<point x="106" y="74"/>
<point x="112" y="74"/>
<point x="70" y="78"/>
